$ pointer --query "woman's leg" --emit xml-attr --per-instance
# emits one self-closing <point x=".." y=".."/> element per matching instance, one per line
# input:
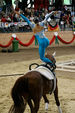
<point x="42" y="55"/>
<point x="43" y="43"/>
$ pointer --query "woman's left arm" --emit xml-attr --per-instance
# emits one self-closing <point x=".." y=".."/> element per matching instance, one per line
<point x="48" y="16"/>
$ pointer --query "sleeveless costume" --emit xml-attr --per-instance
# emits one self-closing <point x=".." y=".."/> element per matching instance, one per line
<point x="40" y="36"/>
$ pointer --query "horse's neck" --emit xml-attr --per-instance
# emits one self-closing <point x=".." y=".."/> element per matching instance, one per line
<point x="37" y="28"/>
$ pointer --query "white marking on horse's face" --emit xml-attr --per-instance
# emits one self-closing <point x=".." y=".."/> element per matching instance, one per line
<point x="54" y="54"/>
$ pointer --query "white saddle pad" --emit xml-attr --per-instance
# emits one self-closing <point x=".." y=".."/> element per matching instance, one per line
<point x="45" y="72"/>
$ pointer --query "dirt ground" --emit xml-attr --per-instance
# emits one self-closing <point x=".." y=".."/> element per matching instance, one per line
<point x="18" y="62"/>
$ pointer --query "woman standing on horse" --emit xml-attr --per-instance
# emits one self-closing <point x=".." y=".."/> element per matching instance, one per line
<point x="38" y="29"/>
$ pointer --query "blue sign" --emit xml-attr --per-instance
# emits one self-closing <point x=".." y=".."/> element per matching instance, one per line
<point x="0" y="9"/>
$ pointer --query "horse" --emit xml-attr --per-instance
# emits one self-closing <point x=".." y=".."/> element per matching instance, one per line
<point x="30" y="88"/>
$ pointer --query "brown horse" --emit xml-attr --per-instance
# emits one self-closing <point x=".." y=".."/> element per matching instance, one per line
<point x="30" y="88"/>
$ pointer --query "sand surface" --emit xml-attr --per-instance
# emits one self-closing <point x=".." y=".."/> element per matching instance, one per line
<point x="18" y="62"/>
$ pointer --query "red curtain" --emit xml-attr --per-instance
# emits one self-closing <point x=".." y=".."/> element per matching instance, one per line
<point x="46" y="4"/>
<point x="36" y="4"/>
<point x="39" y="4"/>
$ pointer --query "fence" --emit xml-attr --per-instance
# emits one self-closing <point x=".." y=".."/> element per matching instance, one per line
<point x="63" y="38"/>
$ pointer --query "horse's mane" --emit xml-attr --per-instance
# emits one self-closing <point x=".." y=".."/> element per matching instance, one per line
<point x="51" y="57"/>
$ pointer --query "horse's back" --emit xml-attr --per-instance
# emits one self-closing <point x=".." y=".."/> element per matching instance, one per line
<point x="32" y="84"/>
<point x="35" y="82"/>
<point x="34" y="79"/>
<point x="39" y="82"/>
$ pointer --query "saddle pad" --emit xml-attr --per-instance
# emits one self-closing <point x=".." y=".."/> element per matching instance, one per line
<point x="45" y="72"/>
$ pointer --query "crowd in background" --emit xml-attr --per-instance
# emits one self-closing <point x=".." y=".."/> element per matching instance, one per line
<point x="64" y="18"/>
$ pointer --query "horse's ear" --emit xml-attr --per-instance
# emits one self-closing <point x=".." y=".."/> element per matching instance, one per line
<point x="54" y="54"/>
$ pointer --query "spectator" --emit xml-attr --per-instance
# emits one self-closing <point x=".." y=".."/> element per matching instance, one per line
<point x="40" y="18"/>
<point x="36" y="13"/>
<point x="32" y="18"/>
<point x="15" y="18"/>
<point x="61" y="21"/>
<point x="16" y="2"/>
<point x="8" y="18"/>
<point x="3" y="19"/>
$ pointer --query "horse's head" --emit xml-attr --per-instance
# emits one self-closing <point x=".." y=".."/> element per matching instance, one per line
<point x="51" y="57"/>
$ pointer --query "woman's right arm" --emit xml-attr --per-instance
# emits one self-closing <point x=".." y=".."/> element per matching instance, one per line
<point x="26" y="19"/>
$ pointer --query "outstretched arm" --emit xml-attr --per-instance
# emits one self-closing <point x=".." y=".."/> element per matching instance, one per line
<point x="25" y="18"/>
<point x="48" y="16"/>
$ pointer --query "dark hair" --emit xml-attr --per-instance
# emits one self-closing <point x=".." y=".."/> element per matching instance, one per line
<point x="36" y="20"/>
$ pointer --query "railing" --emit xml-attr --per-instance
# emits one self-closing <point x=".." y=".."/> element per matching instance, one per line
<point x="24" y="27"/>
